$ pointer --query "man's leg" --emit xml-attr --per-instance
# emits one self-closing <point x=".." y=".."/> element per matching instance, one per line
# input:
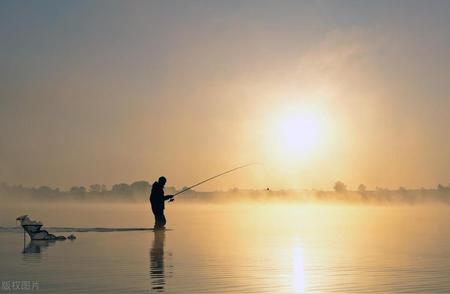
<point x="163" y="219"/>
<point x="159" y="219"/>
<point x="156" y="215"/>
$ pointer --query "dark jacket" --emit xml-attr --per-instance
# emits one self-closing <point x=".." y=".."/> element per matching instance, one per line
<point x="157" y="197"/>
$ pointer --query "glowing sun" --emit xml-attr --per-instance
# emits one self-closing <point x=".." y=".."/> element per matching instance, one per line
<point x="296" y="135"/>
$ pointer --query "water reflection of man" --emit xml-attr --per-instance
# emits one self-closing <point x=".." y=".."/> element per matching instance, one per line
<point x="157" y="277"/>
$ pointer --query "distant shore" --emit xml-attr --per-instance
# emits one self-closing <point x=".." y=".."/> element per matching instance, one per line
<point x="139" y="191"/>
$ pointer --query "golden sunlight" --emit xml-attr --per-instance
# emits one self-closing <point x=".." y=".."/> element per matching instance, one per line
<point x="298" y="271"/>
<point x="296" y="134"/>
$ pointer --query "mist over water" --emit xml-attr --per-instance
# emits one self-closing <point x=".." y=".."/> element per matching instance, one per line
<point x="263" y="247"/>
<point x="139" y="191"/>
<point x="304" y="107"/>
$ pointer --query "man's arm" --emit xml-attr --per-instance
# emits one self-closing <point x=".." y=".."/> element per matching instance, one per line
<point x="168" y="197"/>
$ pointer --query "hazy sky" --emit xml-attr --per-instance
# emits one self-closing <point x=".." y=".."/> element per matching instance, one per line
<point x="117" y="91"/>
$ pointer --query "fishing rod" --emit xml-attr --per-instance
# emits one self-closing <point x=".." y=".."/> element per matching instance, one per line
<point x="209" y="179"/>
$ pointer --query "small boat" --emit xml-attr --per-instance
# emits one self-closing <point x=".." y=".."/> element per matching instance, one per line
<point x="33" y="228"/>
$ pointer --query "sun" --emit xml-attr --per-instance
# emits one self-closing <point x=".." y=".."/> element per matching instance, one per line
<point x="296" y="134"/>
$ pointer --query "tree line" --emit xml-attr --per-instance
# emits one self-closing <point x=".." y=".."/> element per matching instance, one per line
<point x="140" y="190"/>
<point x="118" y="191"/>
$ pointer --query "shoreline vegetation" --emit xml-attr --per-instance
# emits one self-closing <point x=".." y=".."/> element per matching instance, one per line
<point x="139" y="191"/>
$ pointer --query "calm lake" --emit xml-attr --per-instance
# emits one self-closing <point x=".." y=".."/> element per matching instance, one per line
<point x="230" y="248"/>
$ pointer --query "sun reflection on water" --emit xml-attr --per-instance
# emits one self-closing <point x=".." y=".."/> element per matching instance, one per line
<point x="298" y="270"/>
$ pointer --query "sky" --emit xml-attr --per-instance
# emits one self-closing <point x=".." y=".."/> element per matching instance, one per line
<point x="313" y="91"/>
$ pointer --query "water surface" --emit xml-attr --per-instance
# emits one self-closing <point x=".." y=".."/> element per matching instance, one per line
<point x="232" y="248"/>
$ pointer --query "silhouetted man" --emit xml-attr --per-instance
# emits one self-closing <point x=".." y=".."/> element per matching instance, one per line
<point x="157" y="199"/>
